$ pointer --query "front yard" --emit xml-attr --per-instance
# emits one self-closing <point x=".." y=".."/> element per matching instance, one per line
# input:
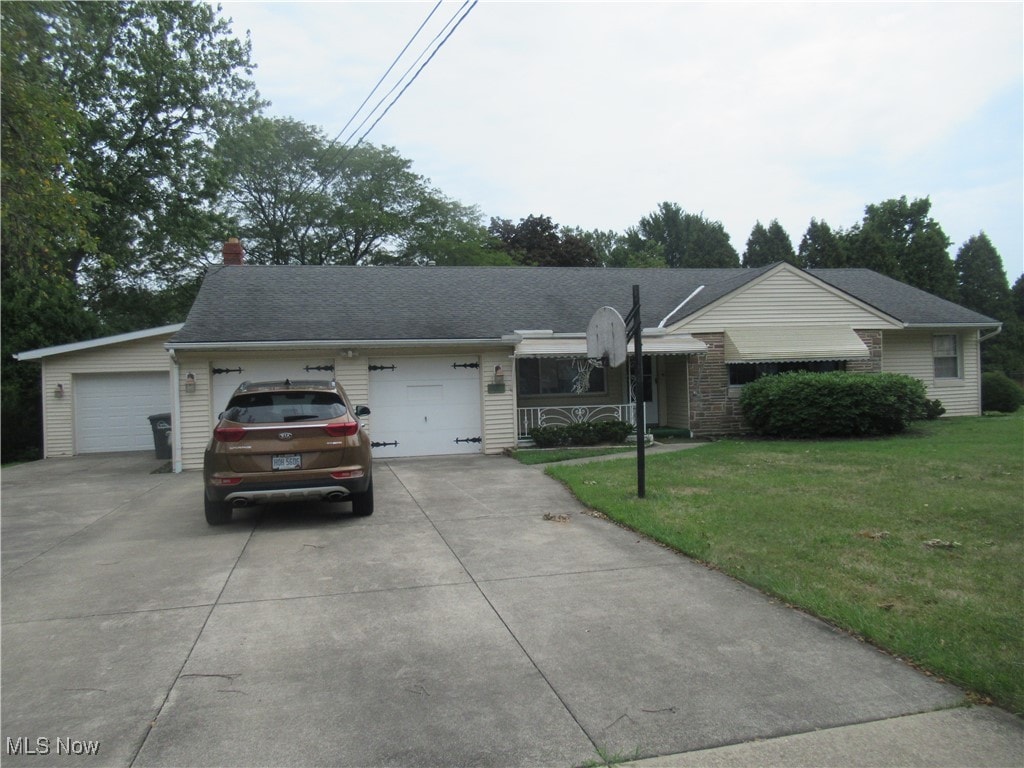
<point x="912" y="542"/>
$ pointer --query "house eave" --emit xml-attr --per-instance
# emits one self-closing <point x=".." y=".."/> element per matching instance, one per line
<point x="79" y="346"/>
<point x="330" y="344"/>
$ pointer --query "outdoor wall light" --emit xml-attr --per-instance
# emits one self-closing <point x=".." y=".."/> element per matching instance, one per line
<point x="499" y="375"/>
<point x="58" y="392"/>
<point x="190" y="383"/>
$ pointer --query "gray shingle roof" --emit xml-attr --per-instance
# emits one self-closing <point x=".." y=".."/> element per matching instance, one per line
<point x="240" y="304"/>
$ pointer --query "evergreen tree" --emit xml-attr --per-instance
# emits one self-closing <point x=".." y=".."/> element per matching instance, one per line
<point x="681" y="239"/>
<point x="820" y="247"/>
<point x="981" y="278"/>
<point x="768" y="246"/>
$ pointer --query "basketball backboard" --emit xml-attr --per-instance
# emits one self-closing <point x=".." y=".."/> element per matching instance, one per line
<point x="606" y="336"/>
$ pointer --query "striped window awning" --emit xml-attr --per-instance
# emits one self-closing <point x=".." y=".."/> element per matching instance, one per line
<point x="576" y="346"/>
<point x="794" y="343"/>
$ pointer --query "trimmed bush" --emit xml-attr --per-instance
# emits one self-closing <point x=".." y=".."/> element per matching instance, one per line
<point x="837" y="404"/>
<point x="583" y="433"/>
<point x="1000" y="393"/>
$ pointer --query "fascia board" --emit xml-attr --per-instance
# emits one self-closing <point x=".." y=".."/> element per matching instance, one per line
<point x="333" y="344"/>
<point x="105" y="341"/>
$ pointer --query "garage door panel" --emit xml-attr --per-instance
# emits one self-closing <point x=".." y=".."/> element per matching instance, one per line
<point x="425" y="406"/>
<point x="112" y="410"/>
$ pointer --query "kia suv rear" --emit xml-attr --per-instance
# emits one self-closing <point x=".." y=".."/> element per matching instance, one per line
<point x="287" y="441"/>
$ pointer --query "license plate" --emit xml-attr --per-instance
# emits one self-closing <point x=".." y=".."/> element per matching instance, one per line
<point x="286" y="461"/>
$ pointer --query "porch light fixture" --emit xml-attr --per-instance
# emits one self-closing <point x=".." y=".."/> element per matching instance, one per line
<point x="497" y="385"/>
<point x="58" y="391"/>
<point x="190" y="383"/>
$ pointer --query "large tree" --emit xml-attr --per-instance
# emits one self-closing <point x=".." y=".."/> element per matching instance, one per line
<point x="109" y="113"/>
<point x="299" y="199"/>
<point x="769" y="245"/>
<point x="537" y="241"/>
<point x="682" y="239"/>
<point x="900" y="239"/>
<point x="984" y="288"/>
<point x="154" y="85"/>
<point x="820" y="247"/>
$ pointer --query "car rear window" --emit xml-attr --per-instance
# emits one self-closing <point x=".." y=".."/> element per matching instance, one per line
<point x="265" y="407"/>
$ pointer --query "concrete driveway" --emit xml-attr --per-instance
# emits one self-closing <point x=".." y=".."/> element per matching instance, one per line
<point x="455" y="627"/>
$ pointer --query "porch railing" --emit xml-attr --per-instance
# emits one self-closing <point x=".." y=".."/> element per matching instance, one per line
<point x="572" y="414"/>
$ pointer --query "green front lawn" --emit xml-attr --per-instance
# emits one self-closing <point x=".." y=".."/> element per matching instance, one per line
<point x="914" y="542"/>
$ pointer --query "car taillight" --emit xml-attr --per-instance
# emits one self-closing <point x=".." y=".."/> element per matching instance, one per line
<point x="228" y="434"/>
<point x="342" y="429"/>
<point x="225" y="480"/>
<point x="347" y="474"/>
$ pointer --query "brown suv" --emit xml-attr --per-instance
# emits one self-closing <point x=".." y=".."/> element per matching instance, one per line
<point x="287" y="441"/>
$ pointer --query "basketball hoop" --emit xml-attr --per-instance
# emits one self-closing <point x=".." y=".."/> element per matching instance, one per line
<point x="606" y="337"/>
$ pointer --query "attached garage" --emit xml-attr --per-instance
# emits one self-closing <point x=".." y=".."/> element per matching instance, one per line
<point x="98" y="395"/>
<point x="425" y="406"/>
<point x="112" y="410"/>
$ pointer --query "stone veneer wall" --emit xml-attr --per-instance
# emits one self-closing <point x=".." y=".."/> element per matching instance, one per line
<point x="715" y="406"/>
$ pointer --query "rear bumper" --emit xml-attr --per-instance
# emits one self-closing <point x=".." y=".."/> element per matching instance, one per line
<point x="271" y="493"/>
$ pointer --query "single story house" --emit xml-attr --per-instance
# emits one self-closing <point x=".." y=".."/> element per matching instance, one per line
<point x="468" y="359"/>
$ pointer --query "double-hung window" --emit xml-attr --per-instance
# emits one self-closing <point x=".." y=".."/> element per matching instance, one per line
<point x="946" y="356"/>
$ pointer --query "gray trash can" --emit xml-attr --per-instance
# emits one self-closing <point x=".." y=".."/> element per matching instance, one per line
<point x="161" y="425"/>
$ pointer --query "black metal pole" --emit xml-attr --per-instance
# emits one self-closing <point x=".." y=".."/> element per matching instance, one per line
<point x="638" y="373"/>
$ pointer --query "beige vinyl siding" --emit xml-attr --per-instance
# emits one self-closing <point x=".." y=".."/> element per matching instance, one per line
<point x="784" y="297"/>
<point x="58" y="413"/>
<point x="195" y="416"/>
<point x="499" y="408"/>
<point x="910" y="353"/>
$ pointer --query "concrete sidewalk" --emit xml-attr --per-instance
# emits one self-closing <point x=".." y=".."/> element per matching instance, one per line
<point x="478" y="618"/>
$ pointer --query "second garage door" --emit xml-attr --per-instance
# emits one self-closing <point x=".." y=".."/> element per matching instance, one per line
<point x="425" y="406"/>
<point x="112" y="410"/>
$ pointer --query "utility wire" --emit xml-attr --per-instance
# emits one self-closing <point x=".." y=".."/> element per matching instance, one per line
<point x="422" y="67"/>
<point x="388" y="71"/>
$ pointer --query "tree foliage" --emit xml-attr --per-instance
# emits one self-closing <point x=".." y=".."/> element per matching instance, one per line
<point x="299" y="199"/>
<point x="821" y="248"/>
<point x="769" y="245"/>
<point x="681" y="239"/>
<point x="900" y="239"/>
<point x="537" y="241"/>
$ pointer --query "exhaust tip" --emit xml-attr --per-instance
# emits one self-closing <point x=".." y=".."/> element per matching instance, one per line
<point x="240" y="502"/>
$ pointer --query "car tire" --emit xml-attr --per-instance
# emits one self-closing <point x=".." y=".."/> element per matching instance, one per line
<point x="362" y="503"/>
<point x="217" y="512"/>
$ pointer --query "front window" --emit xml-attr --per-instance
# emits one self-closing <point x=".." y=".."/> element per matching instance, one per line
<point x="549" y="376"/>
<point x="945" y="352"/>
<point x="744" y="373"/>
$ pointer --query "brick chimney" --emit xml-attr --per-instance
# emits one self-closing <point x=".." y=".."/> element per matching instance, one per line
<point x="232" y="251"/>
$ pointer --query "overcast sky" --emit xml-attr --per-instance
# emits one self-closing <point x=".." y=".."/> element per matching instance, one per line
<point x="592" y="113"/>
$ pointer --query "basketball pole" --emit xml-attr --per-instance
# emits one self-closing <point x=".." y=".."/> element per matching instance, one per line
<point x="633" y="328"/>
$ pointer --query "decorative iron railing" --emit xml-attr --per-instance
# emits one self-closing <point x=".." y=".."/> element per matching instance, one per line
<point x="572" y="414"/>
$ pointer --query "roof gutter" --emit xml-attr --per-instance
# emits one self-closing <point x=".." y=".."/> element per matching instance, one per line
<point x="329" y="344"/>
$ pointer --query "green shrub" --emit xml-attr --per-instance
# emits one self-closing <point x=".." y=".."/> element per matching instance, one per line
<point x="837" y="404"/>
<point x="583" y="433"/>
<point x="1000" y="393"/>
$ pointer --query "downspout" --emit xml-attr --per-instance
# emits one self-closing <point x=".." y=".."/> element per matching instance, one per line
<point x="681" y="305"/>
<point x="175" y="413"/>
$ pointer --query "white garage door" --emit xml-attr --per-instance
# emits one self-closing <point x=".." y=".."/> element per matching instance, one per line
<point x="425" y="406"/>
<point x="112" y="410"/>
<point x="228" y="374"/>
